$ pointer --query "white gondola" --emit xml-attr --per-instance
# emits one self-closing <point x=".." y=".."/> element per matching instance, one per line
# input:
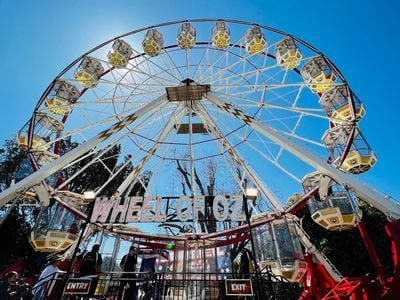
<point x="278" y="247"/>
<point x="119" y="54"/>
<point x="186" y="36"/>
<point x="55" y="229"/>
<point x="25" y="170"/>
<point x="221" y="36"/>
<point x="337" y="104"/>
<point x="335" y="212"/>
<point x="360" y="157"/>
<point x="287" y="54"/>
<point x="255" y="41"/>
<point x="61" y="98"/>
<point x="89" y="72"/>
<point x="46" y="128"/>
<point x="153" y="42"/>
<point x="318" y="74"/>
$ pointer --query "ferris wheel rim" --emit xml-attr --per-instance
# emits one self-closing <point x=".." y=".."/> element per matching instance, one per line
<point x="74" y="62"/>
<point x="172" y="46"/>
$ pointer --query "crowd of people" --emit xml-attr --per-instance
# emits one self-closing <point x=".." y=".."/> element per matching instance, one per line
<point x="12" y="288"/>
<point x="87" y="265"/>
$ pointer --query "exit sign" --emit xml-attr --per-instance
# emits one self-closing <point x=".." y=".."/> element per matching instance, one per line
<point x="238" y="287"/>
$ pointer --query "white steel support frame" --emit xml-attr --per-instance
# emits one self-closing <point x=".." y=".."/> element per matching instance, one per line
<point x="239" y="160"/>
<point x="131" y="178"/>
<point x="390" y="208"/>
<point x="305" y="240"/>
<point x="10" y="209"/>
<point x="275" y="203"/>
<point x="35" y="178"/>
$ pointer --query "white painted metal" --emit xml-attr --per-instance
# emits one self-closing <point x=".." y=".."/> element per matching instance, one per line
<point x="305" y="240"/>
<point x="239" y="160"/>
<point x="364" y="192"/>
<point x="276" y="204"/>
<point x="131" y="178"/>
<point x="35" y="178"/>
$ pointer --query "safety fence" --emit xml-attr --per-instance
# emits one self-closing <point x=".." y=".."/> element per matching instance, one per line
<point x="168" y="286"/>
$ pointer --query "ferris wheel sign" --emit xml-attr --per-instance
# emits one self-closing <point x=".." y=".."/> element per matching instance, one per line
<point x="155" y="209"/>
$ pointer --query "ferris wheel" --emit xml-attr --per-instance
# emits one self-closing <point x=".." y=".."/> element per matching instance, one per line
<point x="202" y="107"/>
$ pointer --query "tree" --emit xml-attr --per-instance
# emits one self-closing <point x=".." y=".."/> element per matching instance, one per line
<point x="206" y="185"/>
<point x="13" y="227"/>
<point x="18" y="225"/>
<point x="11" y="158"/>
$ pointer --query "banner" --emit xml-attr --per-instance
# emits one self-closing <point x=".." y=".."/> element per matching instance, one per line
<point x="154" y="209"/>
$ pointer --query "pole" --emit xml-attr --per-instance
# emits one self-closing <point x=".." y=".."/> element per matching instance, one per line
<point x="247" y="214"/>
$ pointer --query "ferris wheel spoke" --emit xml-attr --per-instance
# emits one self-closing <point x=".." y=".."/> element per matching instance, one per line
<point x="220" y="72"/>
<point x="101" y="152"/>
<point x="138" y="168"/>
<point x="239" y="160"/>
<point x="59" y="163"/>
<point x="169" y="62"/>
<point x="242" y="60"/>
<point x="261" y="86"/>
<point x="151" y="62"/>
<point x="98" y="159"/>
<point x="274" y="162"/>
<point x="231" y="49"/>
<point x="299" y="113"/>
<point x="291" y="130"/>
<point x="203" y="56"/>
<point x="135" y="71"/>
<point x="209" y="66"/>
<point x="95" y="159"/>
<point x="142" y="86"/>
<point x="158" y="166"/>
<point x="309" y="158"/>
<point x="264" y="69"/>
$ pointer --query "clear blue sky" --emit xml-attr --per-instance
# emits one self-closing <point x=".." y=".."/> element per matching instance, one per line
<point x="40" y="38"/>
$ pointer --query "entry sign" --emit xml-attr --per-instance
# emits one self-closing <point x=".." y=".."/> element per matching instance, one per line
<point x="78" y="286"/>
<point x="238" y="287"/>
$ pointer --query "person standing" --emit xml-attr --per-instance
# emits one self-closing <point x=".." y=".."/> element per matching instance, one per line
<point x="128" y="264"/>
<point x="91" y="266"/>
<point x="245" y="263"/>
<point x="11" y="288"/>
<point x="45" y="284"/>
<point x="91" y="262"/>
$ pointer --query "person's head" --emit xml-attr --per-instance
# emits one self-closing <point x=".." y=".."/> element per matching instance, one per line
<point x="132" y="250"/>
<point x="54" y="259"/>
<point x="12" y="277"/>
<point x="96" y="248"/>
<point x="243" y="250"/>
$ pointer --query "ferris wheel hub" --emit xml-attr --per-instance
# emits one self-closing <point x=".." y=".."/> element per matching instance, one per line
<point x="190" y="91"/>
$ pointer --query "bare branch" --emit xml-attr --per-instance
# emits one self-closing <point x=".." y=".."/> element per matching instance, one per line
<point x="198" y="182"/>
<point x="185" y="175"/>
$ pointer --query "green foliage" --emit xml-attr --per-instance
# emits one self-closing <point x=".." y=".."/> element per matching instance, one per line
<point x="14" y="232"/>
<point x="92" y="177"/>
<point x="11" y="158"/>
<point x="17" y="226"/>
<point x="96" y="175"/>
<point x="293" y="199"/>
